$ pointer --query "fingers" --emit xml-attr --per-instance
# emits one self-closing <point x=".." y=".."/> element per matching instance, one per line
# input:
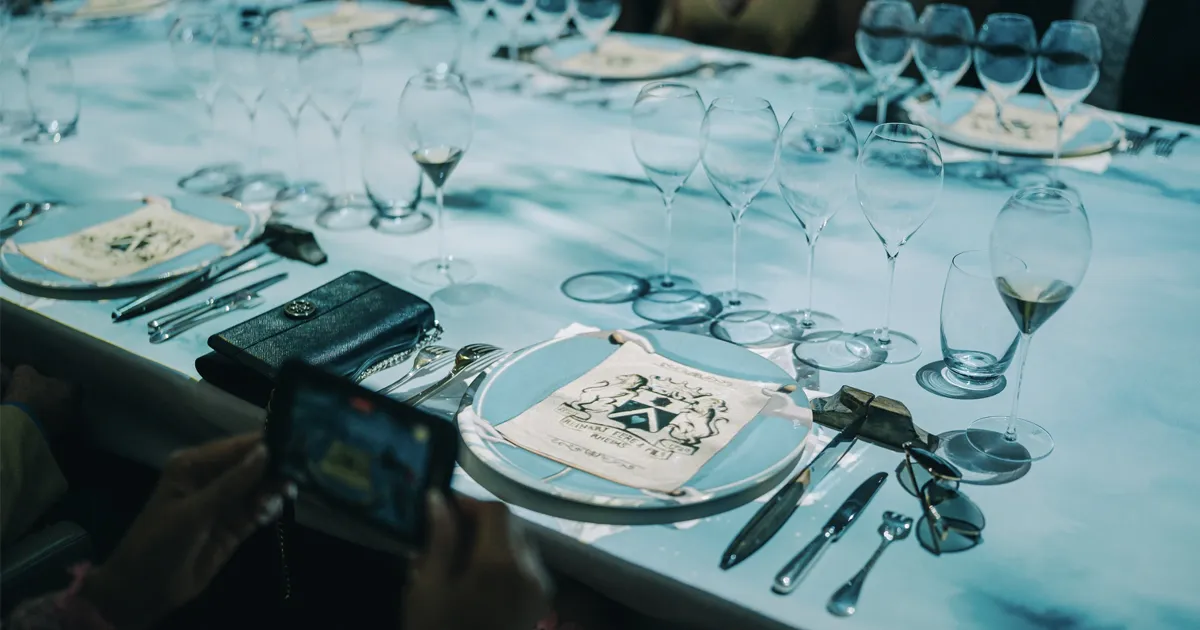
<point x="437" y="563"/>
<point x="503" y="545"/>
<point x="237" y="486"/>
<point x="200" y="465"/>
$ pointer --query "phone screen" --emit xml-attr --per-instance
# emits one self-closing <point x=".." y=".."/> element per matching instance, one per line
<point x="359" y="453"/>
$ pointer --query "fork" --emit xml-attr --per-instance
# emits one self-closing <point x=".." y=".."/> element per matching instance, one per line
<point x="1139" y="140"/>
<point x="1164" y="147"/>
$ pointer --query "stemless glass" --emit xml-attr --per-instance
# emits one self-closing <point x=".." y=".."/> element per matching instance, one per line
<point x="552" y="16"/>
<point x="942" y="48"/>
<point x="884" y="43"/>
<point x="280" y="51"/>
<point x="437" y="119"/>
<point x="1068" y="67"/>
<point x="978" y="336"/>
<point x="53" y="98"/>
<point x="1040" y="248"/>
<point x="512" y="14"/>
<point x="333" y="73"/>
<point x="391" y="178"/>
<point x="898" y="181"/>
<point x="739" y="149"/>
<point x="818" y="153"/>
<point x="1004" y="62"/>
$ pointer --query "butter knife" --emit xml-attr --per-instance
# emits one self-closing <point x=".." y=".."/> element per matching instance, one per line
<point x="798" y="567"/>
<point x="471" y="370"/>
<point x="186" y="285"/>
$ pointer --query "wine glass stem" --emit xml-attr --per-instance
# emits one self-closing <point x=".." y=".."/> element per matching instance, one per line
<point x="995" y="164"/>
<point x="294" y="122"/>
<point x="255" y="154"/>
<point x="885" y="333"/>
<point x="881" y="105"/>
<point x="341" y="159"/>
<point x="807" y="320"/>
<point x="667" y="282"/>
<point x="735" y="298"/>
<point x="443" y="257"/>
<point x="1058" y="141"/>
<point x="1010" y="434"/>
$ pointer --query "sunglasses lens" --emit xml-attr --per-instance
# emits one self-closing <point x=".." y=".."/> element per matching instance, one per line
<point x="905" y="479"/>
<point x="959" y="524"/>
<point x="936" y="465"/>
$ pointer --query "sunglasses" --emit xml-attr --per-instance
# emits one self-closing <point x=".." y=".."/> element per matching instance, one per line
<point x="951" y="522"/>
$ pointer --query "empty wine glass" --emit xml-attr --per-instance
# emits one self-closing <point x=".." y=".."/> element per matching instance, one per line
<point x="884" y="43"/>
<point x="942" y="48"/>
<point x="898" y="182"/>
<point x="192" y="40"/>
<point x="333" y="74"/>
<point x="1068" y="67"/>
<point x="1004" y="62"/>
<point x="472" y="13"/>
<point x="238" y="68"/>
<point x="595" y="18"/>
<point x="280" y="51"/>
<point x="512" y="14"/>
<point x="666" y="122"/>
<point x="437" y="120"/>
<point x="1040" y="247"/>
<point x="552" y="16"/>
<point x="739" y="148"/>
<point x="18" y="36"/>
<point x="53" y="98"/>
<point x="818" y="153"/>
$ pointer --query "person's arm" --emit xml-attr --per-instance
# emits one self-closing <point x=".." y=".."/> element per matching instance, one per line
<point x="29" y="476"/>
<point x="65" y="610"/>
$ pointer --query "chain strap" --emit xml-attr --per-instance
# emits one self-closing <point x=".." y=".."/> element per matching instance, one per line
<point x="428" y="336"/>
<point x="280" y="530"/>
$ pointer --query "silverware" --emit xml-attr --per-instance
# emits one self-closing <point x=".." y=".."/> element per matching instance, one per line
<point x="242" y="300"/>
<point x="428" y="358"/>
<point x="181" y="287"/>
<point x="799" y="566"/>
<point x="844" y="602"/>
<point x="1140" y="141"/>
<point x="250" y="267"/>
<point x="1164" y="147"/>
<point x="213" y="303"/>
<point x="463" y="359"/>
<point x="21" y="214"/>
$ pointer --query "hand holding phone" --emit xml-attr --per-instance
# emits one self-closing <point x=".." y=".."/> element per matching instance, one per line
<point x="480" y="570"/>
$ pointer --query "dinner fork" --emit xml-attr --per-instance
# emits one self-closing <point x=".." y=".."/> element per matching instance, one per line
<point x="1164" y="147"/>
<point x="428" y="358"/>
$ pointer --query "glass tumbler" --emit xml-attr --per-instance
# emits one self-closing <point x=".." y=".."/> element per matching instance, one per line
<point x="392" y="179"/>
<point x="979" y="338"/>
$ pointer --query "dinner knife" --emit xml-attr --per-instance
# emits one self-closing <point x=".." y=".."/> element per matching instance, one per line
<point x="184" y="286"/>
<point x="771" y="517"/>
<point x="798" y="567"/>
<point x="214" y="303"/>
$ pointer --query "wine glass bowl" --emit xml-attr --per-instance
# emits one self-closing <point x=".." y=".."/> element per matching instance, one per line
<point x="942" y="48"/>
<point x="1040" y="249"/>
<point x="512" y="14"/>
<point x="884" y="44"/>
<point x="1068" y="68"/>
<point x="595" y="18"/>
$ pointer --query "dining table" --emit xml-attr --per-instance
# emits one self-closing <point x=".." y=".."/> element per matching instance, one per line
<point x="1101" y="534"/>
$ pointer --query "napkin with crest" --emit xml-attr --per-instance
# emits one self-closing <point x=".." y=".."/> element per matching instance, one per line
<point x="619" y="58"/>
<point x="350" y="17"/>
<point x="1026" y="129"/>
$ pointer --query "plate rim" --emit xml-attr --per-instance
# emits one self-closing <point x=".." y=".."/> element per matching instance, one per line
<point x="542" y="56"/>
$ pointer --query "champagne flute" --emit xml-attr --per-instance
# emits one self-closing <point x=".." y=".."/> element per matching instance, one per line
<point x="739" y="149"/>
<point x="237" y="65"/>
<point x="884" y="43"/>
<point x="437" y="119"/>
<point x="818" y="153"/>
<point x="1040" y="247"/>
<point x="942" y="49"/>
<point x="280" y="51"/>
<point x="512" y="14"/>
<point x="192" y="40"/>
<point x="1068" y="67"/>
<point x="595" y="18"/>
<point x="1004" y="63"/>
<point x="333" y="73"/>
<point x="898" y="182"/>
<point x="552" y="16"/>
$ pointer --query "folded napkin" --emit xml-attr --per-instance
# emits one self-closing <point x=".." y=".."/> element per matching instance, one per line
<point x="108" y="9"/>
<point x="349" y="17"/>
<point x="1028" y="129"/>
<point x="618" y="58"/>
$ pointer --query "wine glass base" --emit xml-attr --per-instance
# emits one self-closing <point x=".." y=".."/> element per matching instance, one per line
<point x="299" y="200"/>
<point x="680" y="307"/>
<point x="990" y="436"/>
<point x="258" y="188"/>
<point x="829" y="351"/>
<point x="745" y="327"/>
<point x="441" y="272"/>
<point x="408" y="224"/>
<point x="793" y="326"/>
<point x="347" y="213"/>
<point x="899" y="348"/>
<point x="676" y="283"/>
<point x="745" y="301"/>
<point x="604" y="287"/>
<point x="214" y="179"/>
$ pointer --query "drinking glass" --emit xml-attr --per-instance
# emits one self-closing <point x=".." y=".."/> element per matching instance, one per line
<point x="438" y="121"/>
<point x="193" y="38"/>
<point x="391" y="178"/>
<point x="18" y="36"/>
<point x="942" y="48"/>
<point x="53" y="98"/>
<point x="280" y="51"/>
<point x="472" y="13"/>
<point x="552" y="16"/>
<point x="512" y="14"/>
<point x="1068" y="67"/>
<point x="978" y="336"/>
<point x="898" y="182"/>
<point x="437" y="43"/>
<point x="595" y="18"/>
<point x="1004" y="62"/>
<point x="739" y="148"/>
<point x="884" y="43"/>
<point x="818" y="152"/>
<point x="237" y="66"/>
<point x="1040" y="247"/>
<point x="333" y="74"/>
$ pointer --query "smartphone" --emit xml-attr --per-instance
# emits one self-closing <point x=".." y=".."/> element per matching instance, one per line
<point x="362" y="453"/>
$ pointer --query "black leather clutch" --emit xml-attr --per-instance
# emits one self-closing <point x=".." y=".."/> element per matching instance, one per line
<point x="352" y="326"/>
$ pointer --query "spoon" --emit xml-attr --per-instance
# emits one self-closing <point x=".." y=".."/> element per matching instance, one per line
<point x="248" y="300"/>
<point x="466" y="356"/>
<point x="21" y="214"/>
<point x="844" y="602"/>
<point x="427" y="356"/>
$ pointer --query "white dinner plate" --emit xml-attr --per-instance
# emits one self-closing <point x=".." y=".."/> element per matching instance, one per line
<point x="768" y="447"/>
<point x="554" y="57"/>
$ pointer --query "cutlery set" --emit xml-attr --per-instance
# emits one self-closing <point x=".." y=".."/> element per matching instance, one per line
<point x="468" y="361"/>
<point x="1164" y="146"/>
<point x="173" y="324"/>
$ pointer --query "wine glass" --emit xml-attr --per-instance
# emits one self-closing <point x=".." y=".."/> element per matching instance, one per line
<point x="1068" y="67"/>
<point x="942" y="49"/>
<point x="192" y="40"/>
<point x="333" y="73"/>
<point x="739" y="148"/>
<point x="898" y="182"/>
<point x="552" y="16"/>
<point x="595" y="18"/>
<point x="818" y="152"/>
<point x="1040" y="247"/>
<point x="512" y="14"/>
<point x="280" y="51"/>
<point x="472" y="13"/>
<point x="1004" y="62"/>
<point x="437" y="43"/>
<point x="19" y="34"/>
<point x="53" y="98"/>
<point x="437" y="120"/>
<point x="884" y="43"/>
<point x="666" y="122"/>
<point x="237" y="66"/>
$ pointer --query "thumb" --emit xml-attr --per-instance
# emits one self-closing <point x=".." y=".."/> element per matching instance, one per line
<point x="234" y="486"/>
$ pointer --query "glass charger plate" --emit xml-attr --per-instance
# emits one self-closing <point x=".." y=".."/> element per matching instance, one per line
<point x="71" y="218"/>
<point x="1099" y="133"/>
<point x="552" y="57"/>
<point x="758" y="458"/>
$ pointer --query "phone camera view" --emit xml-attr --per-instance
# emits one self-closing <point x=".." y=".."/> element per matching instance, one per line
<point x="351" y="453"/>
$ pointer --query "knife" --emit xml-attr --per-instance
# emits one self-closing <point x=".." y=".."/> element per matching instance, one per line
<point x="771" y="517"/>
<point x="473" y="369"/>
<point x="799" y="566"/>
<point x="184" y="286"/>
<point x="214" y="303"/>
